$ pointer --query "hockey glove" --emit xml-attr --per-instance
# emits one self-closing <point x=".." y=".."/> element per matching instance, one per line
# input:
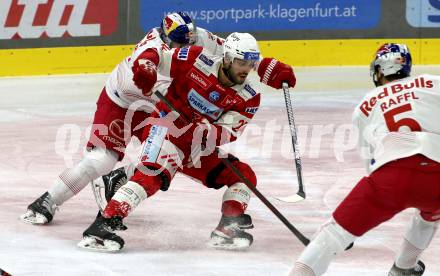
<point x="273" y="73"/>
<point x="144" y="75"/>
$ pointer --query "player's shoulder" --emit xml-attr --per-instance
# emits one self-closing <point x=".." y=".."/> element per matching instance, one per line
<point x="204" y="35"/>
<point x="202" y="31"/>
<point x="208" y="40"/>
<point x="248" y="91"/>
<point x="418" y="82"/>
<point x="187" y="53"/>
<point x="428" y="77"/>
<point x="152" y="39"/>
<point x="153" y="35"/>
<point x="366" y="104"/>
<point x="207" y="63"/>
<point x="155" y="31"/>
<point x="195" y="56"/>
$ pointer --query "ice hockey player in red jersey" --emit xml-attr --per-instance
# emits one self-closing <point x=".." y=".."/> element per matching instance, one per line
<point x="111" y="132"/>
<point x="218" y="100"/>
<point x="397" y="127"/>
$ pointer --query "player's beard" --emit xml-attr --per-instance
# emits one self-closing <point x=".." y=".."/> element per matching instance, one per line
<point x="237" y="78"/>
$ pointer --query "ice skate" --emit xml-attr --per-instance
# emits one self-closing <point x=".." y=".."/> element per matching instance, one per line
<point x="100" y="235"/>
<point x="418" y="270"/>
<point x="245" y="221"/>
<point x="41" y="211"/>
<point x="230" y="234"/>
<point x="108" y="184"/>
<point x="113" y="181"/>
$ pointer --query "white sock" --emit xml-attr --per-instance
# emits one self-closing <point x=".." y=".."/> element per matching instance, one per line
<point x="95" y="163"/>
<point x="408" y="256"/>
<point x="301" y="269"/>
<point x="417" y="238"/>
<point x="61" y="191"/>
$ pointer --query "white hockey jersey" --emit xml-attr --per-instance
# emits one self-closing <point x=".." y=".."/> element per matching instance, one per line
<point x="120" y="86"/>
<point x="400" y="119"/>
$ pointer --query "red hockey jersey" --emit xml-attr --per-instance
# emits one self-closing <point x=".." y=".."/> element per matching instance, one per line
<point x="196" y="92"/>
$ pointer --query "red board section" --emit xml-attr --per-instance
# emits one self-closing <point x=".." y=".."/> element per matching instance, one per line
<point x="77" y="18"/>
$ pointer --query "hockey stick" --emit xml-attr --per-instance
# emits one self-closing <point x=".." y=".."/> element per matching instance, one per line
<point x="4" y="273"/>
<point x="246" y="181"/>
<point x="300" y="195"/>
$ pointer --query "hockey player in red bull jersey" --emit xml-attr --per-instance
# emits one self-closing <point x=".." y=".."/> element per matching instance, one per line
<point x="111" y="133"/>
<point x="218" y="100"/>
<point x="398" y="127"/>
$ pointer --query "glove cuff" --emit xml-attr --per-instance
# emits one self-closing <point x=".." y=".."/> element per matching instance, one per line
<point x="267" y="73"/>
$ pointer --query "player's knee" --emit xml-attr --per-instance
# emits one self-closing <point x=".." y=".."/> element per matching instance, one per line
<point x="97" y="162"/>
<point x="331" y="240"/>
<point x="216" y="177"/>
<point x="221" y="175"/>
<point x="150" y="183"/>
<point x="246" y="171"/>
<point x="431" y="216"/>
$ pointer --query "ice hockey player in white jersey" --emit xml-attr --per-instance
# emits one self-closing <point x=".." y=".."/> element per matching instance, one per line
<point x="176" y="30"/>
<point x="399" y="129"/>
<point x="108" y="137"/>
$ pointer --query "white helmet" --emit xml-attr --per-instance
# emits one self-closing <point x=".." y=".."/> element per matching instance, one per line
<point x="242" y="46"/>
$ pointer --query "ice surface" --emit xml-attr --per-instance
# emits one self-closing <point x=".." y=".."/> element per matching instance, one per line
<point x="168" y="232"/>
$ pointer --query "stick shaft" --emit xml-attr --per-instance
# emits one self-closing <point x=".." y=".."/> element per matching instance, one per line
<point x="293" y="134"/>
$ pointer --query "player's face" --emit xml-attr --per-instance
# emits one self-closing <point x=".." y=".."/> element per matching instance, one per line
<point x="239" y="70"/>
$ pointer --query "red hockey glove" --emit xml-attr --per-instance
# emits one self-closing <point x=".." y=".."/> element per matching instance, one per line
<point x="144" y="75"/>
<point x="273" y="73"/>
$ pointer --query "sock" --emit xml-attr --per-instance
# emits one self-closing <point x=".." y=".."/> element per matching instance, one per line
<point x="408" y="255"/>
<point x="301" y="269"/>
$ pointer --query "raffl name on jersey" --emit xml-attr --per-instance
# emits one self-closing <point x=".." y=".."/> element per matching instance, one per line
<point x="368" y="104"/>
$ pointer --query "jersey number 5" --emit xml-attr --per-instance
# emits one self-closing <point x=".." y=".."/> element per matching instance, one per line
<point x="394" y="125"/>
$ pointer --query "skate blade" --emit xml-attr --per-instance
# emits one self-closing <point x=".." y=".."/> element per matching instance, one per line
<point x="32" y="218"/>
<point x="291" y="199"/>
<point x="91" y="244"/>
<point x="221" y="244"/>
